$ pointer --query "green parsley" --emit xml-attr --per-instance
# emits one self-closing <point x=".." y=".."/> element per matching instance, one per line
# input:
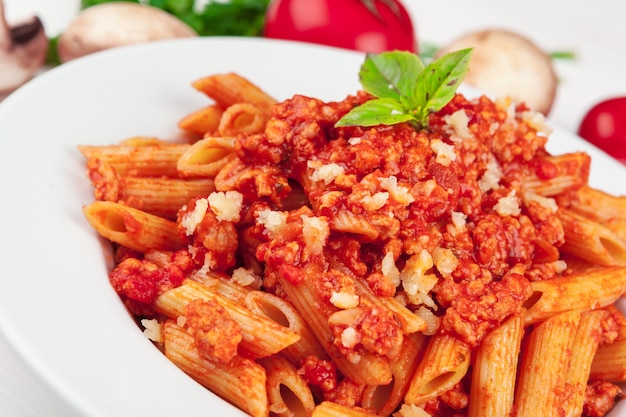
<point x="405" y="89"/>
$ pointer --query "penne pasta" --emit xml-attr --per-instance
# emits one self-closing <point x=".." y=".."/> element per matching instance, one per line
<point x="591" y="290"/>
<point x="444" y="364"/>
<point x="330" y="409"/>
<point x="203" y="121"/>
<point x="288" y="393"/>
<point x="261" y="337"/>
<point x="385" y="399"/>
<point x="206" y="157"/>
<point x="544" y="365"/>
<point x="571" y="172"/>
<point x="242" y="118"/>
<point x="591" y="240"/>
<point x="495" y="370"/>
<point x="132" y="228"/>
<point x="154" y="159"/>
<point x="241" y="382"/>
<point x="230" y="88"/>
<point x="584" y="347"/>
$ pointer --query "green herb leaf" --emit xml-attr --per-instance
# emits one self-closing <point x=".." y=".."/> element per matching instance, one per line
<point x="437" y="84"/>
<point x="389" y="74"/>
<point x="405" y="89"/>
<point x="380" y="111"/>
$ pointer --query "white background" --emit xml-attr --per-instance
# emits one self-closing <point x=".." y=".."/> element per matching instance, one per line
<point x="594" y="31"/>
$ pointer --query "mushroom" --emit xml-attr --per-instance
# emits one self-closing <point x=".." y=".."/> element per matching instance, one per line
<point x="109" y="25"/>
<point x="505" y="63"/>
<point x="23" y="49"/>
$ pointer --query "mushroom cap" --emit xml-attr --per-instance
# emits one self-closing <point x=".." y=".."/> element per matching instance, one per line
<point x="109" y="25"/>
<point x="505" y="63"/>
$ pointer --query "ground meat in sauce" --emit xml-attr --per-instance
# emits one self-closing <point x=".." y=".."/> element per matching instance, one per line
<point x="421" y="195"/>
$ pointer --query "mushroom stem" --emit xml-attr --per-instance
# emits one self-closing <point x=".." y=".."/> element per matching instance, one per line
<point x="23" y="49"/>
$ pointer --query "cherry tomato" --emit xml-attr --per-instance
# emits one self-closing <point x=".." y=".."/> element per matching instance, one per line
<point x="363" y="25"/>
<point x="605" y="127"/>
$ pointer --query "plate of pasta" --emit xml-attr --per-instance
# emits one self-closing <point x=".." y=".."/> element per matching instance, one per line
<point x="185" y="228"/>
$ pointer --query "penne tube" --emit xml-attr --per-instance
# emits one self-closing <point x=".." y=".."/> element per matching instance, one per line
<point x="593" y="289"/>
<point x="495" y="369"/>
<point x="288" y="393"/>
<point x="161" y="196"/>
<point x="598" y="205"/>
<point x="385" y="399"/>
<point x="261" y="337"/>
<point x="230" y="88"/>
<point x="331" y="409"/>
<point x="203" y="121"/>
<point x="242" y="382"/>
<point x="368" y="369"/>
<point x="206" y="157"/>
<point x="584" y="348"/>
<point x="283" y="312"/>
<point x="149" y="160"/>
<point x="609" y="363"/>
<point x="410" y="321"/>
<point x="444" y="364"/>
<point x="591" y="240"/>
<point x="132" y="228"/>
<point x="571" y="173"/>
<point x="544" y="364"/>
<point x="242" y="118"/>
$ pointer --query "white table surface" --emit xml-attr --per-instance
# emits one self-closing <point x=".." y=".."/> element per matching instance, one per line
<point x="594" y="31"/>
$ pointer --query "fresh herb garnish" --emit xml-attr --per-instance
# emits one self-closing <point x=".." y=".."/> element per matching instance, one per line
<point x="225" y="18"/>
<point x="405" y="89"/>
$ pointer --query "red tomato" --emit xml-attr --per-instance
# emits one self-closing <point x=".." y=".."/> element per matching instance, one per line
<point x="605" y="127"/>
<point x="364" y="25"/>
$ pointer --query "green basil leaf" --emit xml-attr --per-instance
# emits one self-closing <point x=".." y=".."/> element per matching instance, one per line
<point x="437" y="84"/>
<point x="390" y="74"/>
<point x="386" y="111"/>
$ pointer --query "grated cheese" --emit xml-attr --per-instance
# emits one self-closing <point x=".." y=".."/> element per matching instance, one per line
<point x="375" y="202"/>
<point x="192" y="219"/>
<point x="326" y="173"/>
<point x="153" y="330"/>
<point x="459" y="123"/>
<point x="315" y="231"/>
<point x="445" y="152"/>
<point x="273" y="221"/>
<point x="508" y="206"/>
<point x="491" y="177"/>
<point x="226" y="205"/>
<point x="344" y="300"/>
<point x="350" y="337"/>
<point x="399" y="193"/>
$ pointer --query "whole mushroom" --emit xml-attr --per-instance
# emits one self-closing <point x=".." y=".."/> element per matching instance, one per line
<point x="23" y="49"/>
<point x="109" y="25"/>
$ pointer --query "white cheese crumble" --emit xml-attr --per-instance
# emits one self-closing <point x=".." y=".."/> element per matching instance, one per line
<point x="445" y="261"/>
<point x="459" y="220"/>
<point x="537" y="121"/>
<point x="508" y="206"/>
<point x="193" y="218"/>
<point x="350" y="337"/>
<point x="245" y="277"/>
<point x="152" y="330"/>
<point x="226" y="205"/>
<point x="326" y="173"/>
<point x="344" y="300"/>
<point x="389" y="269"/>
<point x="445" y="152"/>
<point x="315" y="231"/>
<point x="416" y="282"/>
<point x="399" y="193"/>
<point x="491" y="177"/>
<point x="273" y="221"/>
<point x="459" y="122"/>
<point x="375" y="202"/>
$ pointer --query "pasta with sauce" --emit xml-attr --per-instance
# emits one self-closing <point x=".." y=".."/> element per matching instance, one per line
<point x="378" y="270"/>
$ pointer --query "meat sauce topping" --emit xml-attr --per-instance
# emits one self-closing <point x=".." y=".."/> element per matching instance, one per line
<point x="444" y="220"/>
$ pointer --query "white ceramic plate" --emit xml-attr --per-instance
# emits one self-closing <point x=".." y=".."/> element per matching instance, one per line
<point x="56" y="306"/>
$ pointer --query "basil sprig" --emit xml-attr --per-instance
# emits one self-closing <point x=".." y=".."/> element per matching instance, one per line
<point x="405" y="89"/>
